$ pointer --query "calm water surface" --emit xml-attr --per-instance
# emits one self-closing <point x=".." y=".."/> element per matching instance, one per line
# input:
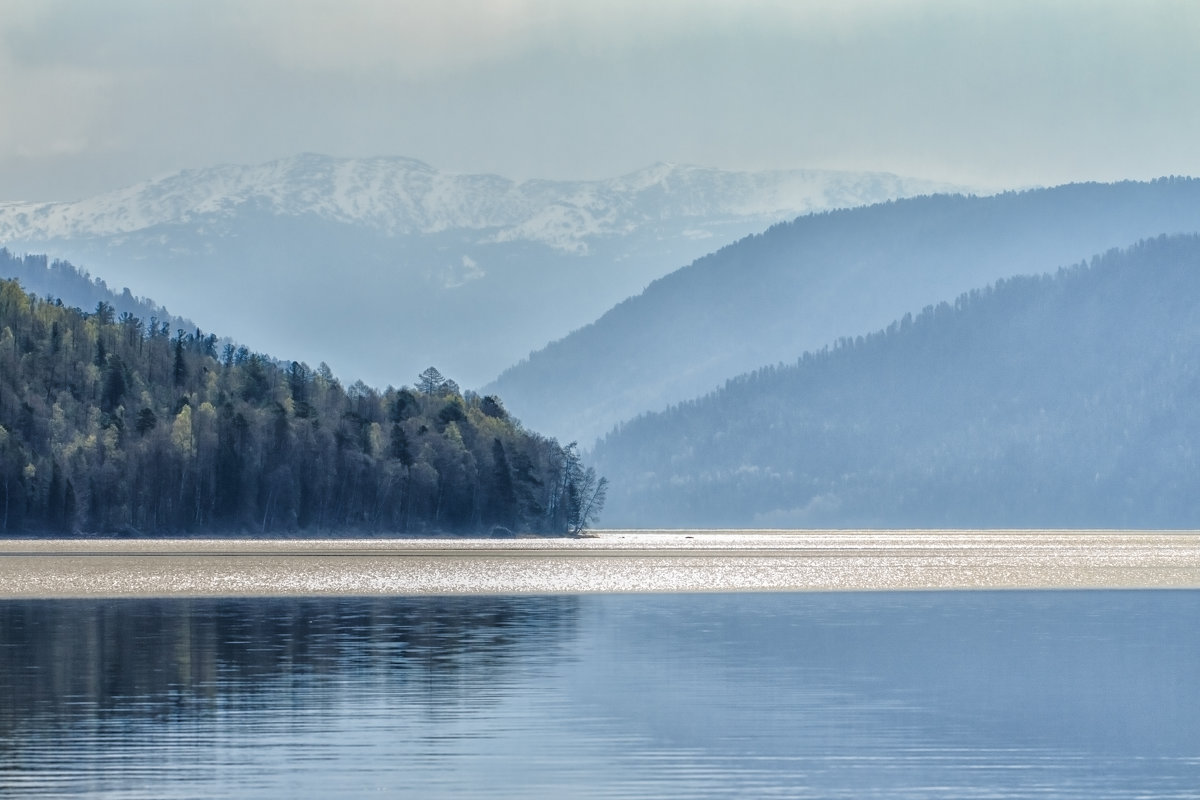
<point x="1085" y="694"/>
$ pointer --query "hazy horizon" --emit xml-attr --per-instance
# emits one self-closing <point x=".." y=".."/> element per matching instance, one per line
<point x="1013" y="94"/>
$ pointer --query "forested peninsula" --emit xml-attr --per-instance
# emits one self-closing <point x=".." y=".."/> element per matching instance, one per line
<point x="111" y="424"/>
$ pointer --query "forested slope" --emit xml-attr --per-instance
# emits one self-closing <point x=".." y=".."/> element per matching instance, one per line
<point x="62" y="280"/>
<point x="110" y="425"/>
<point x="800" y="285"/>
<point x="1069" y="400"/>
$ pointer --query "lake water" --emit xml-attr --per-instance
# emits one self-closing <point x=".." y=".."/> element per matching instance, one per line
<point x="979" y="694"/>
<point x="613" y="561"/>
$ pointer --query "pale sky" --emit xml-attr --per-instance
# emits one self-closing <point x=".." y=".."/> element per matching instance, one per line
<point x="98" y="95"/>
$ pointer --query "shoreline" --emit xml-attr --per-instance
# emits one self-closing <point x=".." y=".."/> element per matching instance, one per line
<point x="623" y="561"/>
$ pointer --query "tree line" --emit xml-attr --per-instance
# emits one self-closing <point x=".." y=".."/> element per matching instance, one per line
<point x="112" y="424"/>
<point x="57" y="278"/>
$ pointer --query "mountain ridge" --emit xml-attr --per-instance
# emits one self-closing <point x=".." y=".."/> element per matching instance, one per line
<point x="398" y="195"/>
<point x="411" y="266"/>
<point x="801" y="284"/>
<point x="1064" y="400"/>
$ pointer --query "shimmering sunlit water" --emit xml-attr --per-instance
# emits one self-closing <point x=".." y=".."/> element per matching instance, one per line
<point x="1046" y="694"/>
<point x="614" y="561"/>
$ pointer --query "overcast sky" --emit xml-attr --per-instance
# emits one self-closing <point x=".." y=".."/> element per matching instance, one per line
<point x="97" y="95"/>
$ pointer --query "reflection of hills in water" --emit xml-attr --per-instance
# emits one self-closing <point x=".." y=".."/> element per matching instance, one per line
<point x="1109" y="672"/>
<point x="1084" y="695"/>
<point x="71" y="659"/>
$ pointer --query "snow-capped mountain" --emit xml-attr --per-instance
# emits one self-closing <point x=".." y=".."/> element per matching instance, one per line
<point x="403" y="196"/>
<point x="392" y="248"/>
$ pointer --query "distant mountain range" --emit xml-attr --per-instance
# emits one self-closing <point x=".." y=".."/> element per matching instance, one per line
<point x="384" y="266"/>
<point x="1039" y="401"/>
<point x="800" y="285"/>
<point x="1065" y="401"/>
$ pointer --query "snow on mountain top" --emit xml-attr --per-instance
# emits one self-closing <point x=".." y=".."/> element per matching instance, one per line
<point x="401" y="196"/>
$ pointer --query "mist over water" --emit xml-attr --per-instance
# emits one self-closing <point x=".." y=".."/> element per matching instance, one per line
<point x="938" y="694"/>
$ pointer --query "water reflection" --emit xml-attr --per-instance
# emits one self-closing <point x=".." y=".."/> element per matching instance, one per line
<point x="1048" y="694"/>
<point x="1089" y="670"/>
<point x="62" y="659"/>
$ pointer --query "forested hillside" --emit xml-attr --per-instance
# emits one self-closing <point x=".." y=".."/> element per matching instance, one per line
<point x="1069" y="400"/>
<point x="801" y="285"/>
<point x="110" y="425"/>
<point x="64" y="281"/>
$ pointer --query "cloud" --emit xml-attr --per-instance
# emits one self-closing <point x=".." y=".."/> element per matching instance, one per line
<point x="419" y="40"/>
<point x="1020" y="91"/>
<point x="409" y="40"/>
<point x="50" y="110"/>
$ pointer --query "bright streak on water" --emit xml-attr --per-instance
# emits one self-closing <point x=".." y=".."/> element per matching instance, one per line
<point x="615" y="561"/>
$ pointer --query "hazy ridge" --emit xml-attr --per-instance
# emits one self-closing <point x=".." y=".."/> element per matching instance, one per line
<point x="1054" y="401"/>
<point x="411" y="265"/>
<point x="800" y="285"/>
<point x="63" y="281"/>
